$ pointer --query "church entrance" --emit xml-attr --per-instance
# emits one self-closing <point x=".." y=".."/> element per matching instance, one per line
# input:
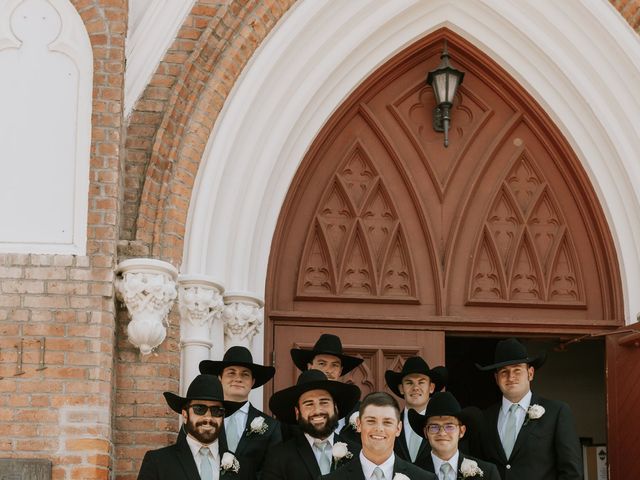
<point x="402" y="246"/>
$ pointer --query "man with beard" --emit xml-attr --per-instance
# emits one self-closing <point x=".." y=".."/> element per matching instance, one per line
<point x="328" y="356"/>
<point x="249" y="433"/>
<point x="314" y="404"/>
<point x="198" y="455"/>
<point x="415" y="383"/>
<point x="379" y="425"/>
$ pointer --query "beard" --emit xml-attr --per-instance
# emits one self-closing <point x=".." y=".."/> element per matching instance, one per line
<point x="198" y="429"/>
<point x="331" y="422"/>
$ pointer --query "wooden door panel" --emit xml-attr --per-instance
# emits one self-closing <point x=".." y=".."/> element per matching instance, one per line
<point x="382" y="349"/>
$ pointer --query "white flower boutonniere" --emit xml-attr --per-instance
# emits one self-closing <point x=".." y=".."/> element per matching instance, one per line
<point x="470" y="468"/>
<point x="352" y="420"/>
<point x="229" y="462"/>
<point x="340" y="451"/>
<point x="400" y="476"/>
<point x="258" y="425"/>
<point x="534" y="412"/>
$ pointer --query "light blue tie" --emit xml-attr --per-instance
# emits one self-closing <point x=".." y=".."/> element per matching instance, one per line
<point x="447" y="472"/>
<point x="206" y="470"/>
<point x="509" y="439"/>
<point x="232" y="433"/>
<point x="414" y="444"/>
<point x="324" y="461"/>
<point x="378" y="474"/>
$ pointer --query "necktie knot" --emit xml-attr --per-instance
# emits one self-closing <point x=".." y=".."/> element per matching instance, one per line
<point x="514" y="408"/>
<point x="321" y="444"/>
<point x="446" y="469"/>
<point x="378" y="474"/>
<point x="205" y="451"/>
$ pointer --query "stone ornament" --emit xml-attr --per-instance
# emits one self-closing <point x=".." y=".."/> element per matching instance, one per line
<point x="199" y="300"/>
<point x="147" y="287"/>
<point x="242" y="317"/>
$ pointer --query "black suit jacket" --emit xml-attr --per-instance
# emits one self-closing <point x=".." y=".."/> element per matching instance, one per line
<point x="546" y="448"/>
<point x="293" y="459"/>
<point x="401" y="447"/>
<point x="489" y="470"/>
<point x="252" y="447"/>
<point x="353" y="471"/>
<point x="176" y="462"/>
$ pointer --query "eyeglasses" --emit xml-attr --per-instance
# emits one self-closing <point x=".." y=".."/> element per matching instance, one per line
<point x="200" y="409"/>
<point x="434" y="428"/>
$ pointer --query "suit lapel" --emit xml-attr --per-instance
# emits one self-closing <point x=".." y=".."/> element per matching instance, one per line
<point x="306" y="453"/>
<point x="494" y="436"/>
<point x="403" y="446"/>
<point x="353" y="470"/>
<point x="526" y="429"/>
<point x="185" y="457"/>
<point x="244" y="440"/>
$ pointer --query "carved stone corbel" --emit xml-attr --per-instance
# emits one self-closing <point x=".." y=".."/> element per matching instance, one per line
<point x="242" y="317"/>
<point x="147" y="287"/>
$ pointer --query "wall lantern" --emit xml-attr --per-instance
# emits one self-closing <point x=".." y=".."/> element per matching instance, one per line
<point x="445" y="81"/>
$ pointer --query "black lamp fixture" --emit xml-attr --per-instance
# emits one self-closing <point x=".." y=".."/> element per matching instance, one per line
<point x="445" y="81"/>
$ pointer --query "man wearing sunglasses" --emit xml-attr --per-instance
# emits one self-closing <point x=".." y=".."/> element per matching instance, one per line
<point x="201" y="454"/>
<point x="443" y="427"/>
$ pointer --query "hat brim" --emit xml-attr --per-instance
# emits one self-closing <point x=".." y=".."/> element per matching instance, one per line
<point x="536" y="362"/>
<point x="283" y="403"/>
<point x="261" y="373"/>
<point x="439" y="376"/>
<point x="418" y="421"/>
<point x="176" y="403"/>
<point x="302" y="357"/>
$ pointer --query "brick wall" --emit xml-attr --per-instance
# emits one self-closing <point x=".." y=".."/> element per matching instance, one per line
<point x="630" y="10"/>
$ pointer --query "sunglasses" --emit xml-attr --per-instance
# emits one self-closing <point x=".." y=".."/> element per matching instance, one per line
<point x="434" y="428"/>
<point x="199" y="409"/>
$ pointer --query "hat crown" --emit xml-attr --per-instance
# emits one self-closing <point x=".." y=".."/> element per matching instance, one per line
<point x="238" y="354"/>
<point x="328" y="343"/>
<point x="312" y="375"/>
<point x="205" y="387"/>
<point x="415" y="365"/>
<point x="442" y="404"/>
<point x="510" y="349"/>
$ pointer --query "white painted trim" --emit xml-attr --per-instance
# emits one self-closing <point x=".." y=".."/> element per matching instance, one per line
<point x="72" y="41"/>
<point x="147" y="44"/>
<point x="579" y="59"/>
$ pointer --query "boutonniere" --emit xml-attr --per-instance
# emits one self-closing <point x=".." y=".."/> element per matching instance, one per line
<point x="534" y="412"/>
<point x="340" y="451"/>
<point x="229" y="462"/>
<point x="352" y="420"/>
<point x="470" y="468"/>
<point x="258" y="425"/>
<point x="400" y="476"/>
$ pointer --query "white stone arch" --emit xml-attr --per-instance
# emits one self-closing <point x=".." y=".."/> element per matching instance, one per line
<point x="45" y="127"/>
<point x="580" y="60"/>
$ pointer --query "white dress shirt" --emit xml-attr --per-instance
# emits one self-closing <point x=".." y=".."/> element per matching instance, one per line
<point x="241" y="416"/>
<point x="368" y="466"/>
<point x="195" y="447"/>
<point x="521" y="414"/>
<point x="437" y="462"/>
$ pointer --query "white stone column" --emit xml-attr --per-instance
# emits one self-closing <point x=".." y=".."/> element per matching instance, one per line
<point x="200" y="303"/>
<point x="242" y="318"/>
<point x="147" y="287"/>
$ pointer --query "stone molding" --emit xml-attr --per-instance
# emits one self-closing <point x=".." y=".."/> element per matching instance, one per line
<point x="243" y="317"/>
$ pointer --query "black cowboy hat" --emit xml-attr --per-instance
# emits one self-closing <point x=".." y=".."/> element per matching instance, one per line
<point x="327" y="344"/>
<point x="239" y="356"/>
<point x="441" y="404"/>
<point x="512" y="352"/>
<point x="439" y="376"/>
<point x="203" y="387"/>
<point x="283" y="403"/>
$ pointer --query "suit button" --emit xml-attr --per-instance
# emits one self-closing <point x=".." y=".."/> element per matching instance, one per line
<point x="508" y="467"/>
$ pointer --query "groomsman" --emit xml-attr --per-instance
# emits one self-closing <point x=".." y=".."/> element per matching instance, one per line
<point x="200" y="453"/>
<point x="379" y="423"/>
<point x="248" y="432"/>
<point x="328" y="356"/>
<point x="528" y="437"/>
<point x="443" y="425"/>
<point x="314" y="404"/>
<point x="414" y="383"/>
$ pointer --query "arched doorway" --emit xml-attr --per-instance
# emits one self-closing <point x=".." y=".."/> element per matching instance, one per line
<point x="396" y="243"/>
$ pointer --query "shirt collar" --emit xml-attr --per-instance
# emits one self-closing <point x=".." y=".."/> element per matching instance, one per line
<point x="195" y="447"/>
<point x="312" y="440"/>
<point x="524" y="403"/>
<point x="368" y="466"/>
<point x="437" y="462"/>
